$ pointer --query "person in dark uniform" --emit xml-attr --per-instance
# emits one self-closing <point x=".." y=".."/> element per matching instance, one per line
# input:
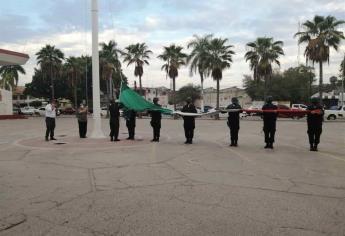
<point x="130" y="116"/>
<point x="234" y="121"/>
<point x="156" y="117"/>
<point x="189" y="121"/>
<point x="270" y="120"/>
<point x="114" y="120"/>
<point x="314" y="121"/>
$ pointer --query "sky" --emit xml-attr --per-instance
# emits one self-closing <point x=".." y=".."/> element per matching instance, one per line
<point x="28" y="25"/>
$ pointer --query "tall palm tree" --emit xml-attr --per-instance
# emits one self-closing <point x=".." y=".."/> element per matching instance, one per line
<point x="109" y="61"/>
<point x="74" y="70"/>
<point x="320" y="34"/>
<point x="262" y="54"/>
<point x="137" y="54"/>
<point x="197" y="59"/>
<point x="174" y="58"/>
<point x="218" y="58"/>
<point x="10" y="75"/>
<point x="50" y="60"/>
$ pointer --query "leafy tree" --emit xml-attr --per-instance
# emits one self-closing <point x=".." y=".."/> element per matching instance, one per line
<point x="291" y="85"/>
<point x="10" y="75"/>
<point x="137" y="54"/>
<point x="74" y="70"/>
<point x="50" y="59"/>
<point x="174" y="58"/>
<point x="320" y="34"/>
<point x="194" y="92"/>
<point x="39" y="87"/>
<point x="261" y="54"/>
<point x="109" y="64"/>
<point x="197" y="59"/>
<point x="218" y="58"/>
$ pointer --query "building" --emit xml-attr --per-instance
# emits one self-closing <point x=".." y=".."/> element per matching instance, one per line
<point x="9" y="58"/>
<point x="225" y="95"/>
<point x="161" y="92"/>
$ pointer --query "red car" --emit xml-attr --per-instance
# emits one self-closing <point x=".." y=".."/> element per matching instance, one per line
<point x="292" y="113"/>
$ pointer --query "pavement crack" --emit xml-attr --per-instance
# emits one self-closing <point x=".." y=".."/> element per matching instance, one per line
<point x="13" y="224"/>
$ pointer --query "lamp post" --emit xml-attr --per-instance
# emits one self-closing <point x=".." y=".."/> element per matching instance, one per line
<point x="97" y="125"/>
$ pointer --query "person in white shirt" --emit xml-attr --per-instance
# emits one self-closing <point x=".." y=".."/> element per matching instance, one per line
<point x="50" y="120"/>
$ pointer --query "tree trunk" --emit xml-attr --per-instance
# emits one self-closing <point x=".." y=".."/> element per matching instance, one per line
<point x="75" y="92"/>
<point x="140" y="86"/>
<point x="321" y="83"/>
<point x="111" y="92"/>
<point x="174" y="93"/>
<point x="52" y="82"/>
<point x="265" y="89"/>
<point x="217" y="104"/>
<point x="174" y="97"/>
<point x="202" y="92"/>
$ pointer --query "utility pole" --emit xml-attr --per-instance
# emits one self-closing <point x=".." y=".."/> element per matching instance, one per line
<point x="97" y="124"/>
<point x="342" y="83"/>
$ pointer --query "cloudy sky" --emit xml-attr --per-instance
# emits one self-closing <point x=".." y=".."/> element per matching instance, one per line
<point x="28" y="25"/>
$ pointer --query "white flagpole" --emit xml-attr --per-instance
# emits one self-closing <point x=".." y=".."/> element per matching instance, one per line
<point x="97" y="124"/>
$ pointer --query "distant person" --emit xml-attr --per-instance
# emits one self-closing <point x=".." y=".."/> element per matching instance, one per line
<point x="156" y="118"/>
<point x="50" y="120"/>
<point x="82" y="120"/>
<point x="130" y="116"/>
<point x="314" y="121"/>
<point x="189" y="121"/>
<point x="234" y="121"/>
<point x="114" y="120"/>
<point x="269" y="113"/>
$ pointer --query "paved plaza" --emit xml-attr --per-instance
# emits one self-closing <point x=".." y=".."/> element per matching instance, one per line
<point x="82" y="187"/>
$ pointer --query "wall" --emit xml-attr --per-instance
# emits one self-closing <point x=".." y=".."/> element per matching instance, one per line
<point x="6" y="107"/>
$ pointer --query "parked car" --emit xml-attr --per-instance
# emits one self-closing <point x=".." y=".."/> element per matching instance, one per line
<point x="253" y="112"/>
<point x="299" y="106"/>
<point x="68" y="111"/>
<point x="41" y="111"/>
<point x="292" y="114"/>
<point x="335" y="114"/>
<point x="28" y="110"/>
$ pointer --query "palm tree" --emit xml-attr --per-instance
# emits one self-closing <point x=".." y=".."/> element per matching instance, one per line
<point x="109" y="61"/>
<point x="174" y="58"/>
<point x="197" y="59"/>
<point x="218" y="58"/>
<point x="10" y="75"/>
<point x="139" y="55"/>
<point x="74" y="70"/>
<point x="50" y="60"/>
<point x="321" y="34"/>
<point x="261" y="54"/>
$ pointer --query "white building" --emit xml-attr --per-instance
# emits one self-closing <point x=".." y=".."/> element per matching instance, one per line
<point x="225" y="95"/>
<point x="161" y="92"/>
<point x="9" y="58"/>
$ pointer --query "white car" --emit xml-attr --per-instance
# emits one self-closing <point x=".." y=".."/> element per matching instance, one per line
<point x="28" y="110"/>
<point x="299" y="107"/>
<point x="40" y="111"/>
<point x="335" y="114"/>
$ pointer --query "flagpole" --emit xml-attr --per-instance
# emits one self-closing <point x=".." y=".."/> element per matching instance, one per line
<point x="97" y="124"/>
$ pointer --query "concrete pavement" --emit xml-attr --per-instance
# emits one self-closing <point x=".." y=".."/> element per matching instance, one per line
<point x="95" y="187"/>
